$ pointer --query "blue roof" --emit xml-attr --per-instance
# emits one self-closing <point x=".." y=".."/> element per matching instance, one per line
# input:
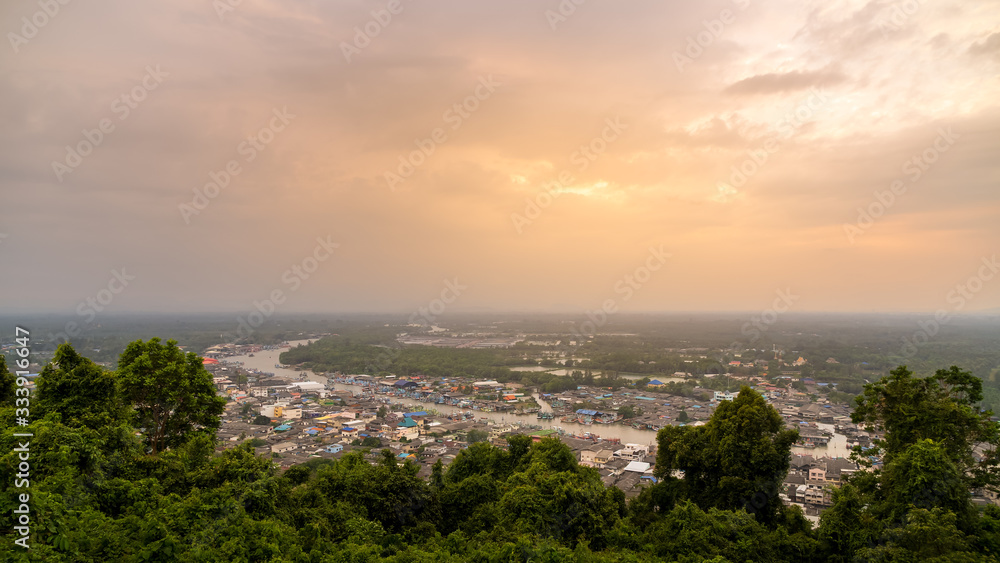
<point x="418" y="413"/>
<point x="407" y="423"/>
<point x="586" y="411"/>
<point x="655" y="382"/>
<point x="283" y="427"/>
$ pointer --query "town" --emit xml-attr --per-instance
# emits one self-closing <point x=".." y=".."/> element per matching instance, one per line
<point x="298" y="415"/>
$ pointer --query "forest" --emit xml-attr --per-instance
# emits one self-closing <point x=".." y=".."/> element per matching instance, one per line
<point x="124" y="467"/>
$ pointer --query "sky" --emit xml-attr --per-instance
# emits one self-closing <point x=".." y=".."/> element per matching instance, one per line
<point x="356" y="156"/>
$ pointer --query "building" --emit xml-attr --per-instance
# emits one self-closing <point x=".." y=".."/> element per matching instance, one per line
<point x="633" y="452"/>
<point x="282" y="447"/>
<point x="817" y="474"/>
<point x="637" y="467"/>
<point x="602" y="458"/>
<point x="725" y="396"/>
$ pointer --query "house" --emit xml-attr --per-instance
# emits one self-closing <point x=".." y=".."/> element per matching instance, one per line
<point x="633" y="452"/>
<point x="272" y="411"/>
<point x="656" y="384"/>
<point x="725" y="396"/>
<point x="810" y="411"/>
<point x="334" y="448"/>
<point x="587" y="458"/>
<point x="817" y="474"/>
<point x="282" y="447"/>
<point x="404" y="432"/>
<point x="603" y="457"/>
<point x="499" y="442"/>
<point x="817" y="495"/>
<point x="637" y="467"/>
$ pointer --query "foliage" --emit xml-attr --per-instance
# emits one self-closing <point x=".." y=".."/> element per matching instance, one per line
<point x="737" y="460"/>
<point x="8" y="384"/>
<point x="628" y="412"/>
<point x="97" y="495"/>
<point x="942" y="408"/>
<point x="476" y="435"/>
<point x="82" y="392"/>
<point x="170" y="390"/>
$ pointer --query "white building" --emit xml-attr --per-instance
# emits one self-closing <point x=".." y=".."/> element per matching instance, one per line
<point x="637" y="467"/>
<point x="725" y="396"/>
<point x="633" y="452"/>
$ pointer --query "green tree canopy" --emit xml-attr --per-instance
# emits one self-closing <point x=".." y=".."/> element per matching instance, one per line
<point x="627" y="412"/>
<point x="8" y="383"/>
<point x="737" y="460"/>
<point x="942" y="408"/>
<point x="82" y="392"/>
<point x="476" y="435"/>
<point x="170" y="390"/>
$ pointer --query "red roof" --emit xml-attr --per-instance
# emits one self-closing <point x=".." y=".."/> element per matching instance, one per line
<point x="209" y="361"/>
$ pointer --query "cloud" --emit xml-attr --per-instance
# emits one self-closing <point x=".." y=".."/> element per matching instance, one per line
<point x="784" y="82"/>
<point x="989" y="47"/>
<point x="325" y="173"/>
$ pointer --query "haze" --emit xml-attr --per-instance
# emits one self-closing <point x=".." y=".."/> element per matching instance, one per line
<point x="581" y="141"/>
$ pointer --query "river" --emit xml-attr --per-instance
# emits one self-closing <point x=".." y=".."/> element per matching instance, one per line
<point x="837" y="447"/>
